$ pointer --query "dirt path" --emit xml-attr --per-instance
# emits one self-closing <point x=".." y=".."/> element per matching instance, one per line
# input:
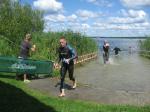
<point x="122" y="82"/>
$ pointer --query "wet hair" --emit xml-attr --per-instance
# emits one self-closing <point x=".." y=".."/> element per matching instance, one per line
<point x="63" y="38"/>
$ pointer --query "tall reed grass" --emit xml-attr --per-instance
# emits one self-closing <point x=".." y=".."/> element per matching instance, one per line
<point x="47" y="43"/>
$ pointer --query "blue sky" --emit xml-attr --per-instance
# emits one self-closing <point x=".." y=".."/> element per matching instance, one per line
<point x="96" y="17"/>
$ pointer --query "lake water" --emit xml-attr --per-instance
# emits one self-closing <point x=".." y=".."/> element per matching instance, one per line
<point x="123" y="43"/>
<point x="126" y="79"/>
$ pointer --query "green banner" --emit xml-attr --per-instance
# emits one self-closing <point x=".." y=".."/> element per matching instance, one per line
<point x="19" y="65"/>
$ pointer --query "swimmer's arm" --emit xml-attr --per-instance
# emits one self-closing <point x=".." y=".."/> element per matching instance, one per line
<point x="59" y="59"/>
<point x="74" y="54"/>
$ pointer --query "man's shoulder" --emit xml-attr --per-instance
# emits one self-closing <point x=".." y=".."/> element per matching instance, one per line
<point x="69" y="47"/>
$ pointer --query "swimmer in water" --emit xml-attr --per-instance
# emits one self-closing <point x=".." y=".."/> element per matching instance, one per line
<point x="106" y="48"/>
<point x="116" y="49"/>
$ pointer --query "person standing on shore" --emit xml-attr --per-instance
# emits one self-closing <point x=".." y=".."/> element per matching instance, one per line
<point x="25" y="51"/>
<point x="66" y="56"/>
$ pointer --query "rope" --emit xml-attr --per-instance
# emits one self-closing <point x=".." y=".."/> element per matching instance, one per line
<point x="10" y="41"/>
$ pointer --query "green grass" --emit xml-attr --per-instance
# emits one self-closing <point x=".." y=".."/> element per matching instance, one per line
<point x="15" y="96"/>
<point x="145" y="46"/>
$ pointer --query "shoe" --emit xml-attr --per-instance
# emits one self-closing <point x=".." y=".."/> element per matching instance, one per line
<point x="26" y="81"/>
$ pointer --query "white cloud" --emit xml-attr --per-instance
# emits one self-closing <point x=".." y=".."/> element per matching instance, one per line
<point x="81" y="27"/>
<point x="129" y="21"/>
<point x="135" y="3"/>
<point x="126" y="20"/>
<point x="55" y="18"/>
<point x="86" y="14"/>
<point x="74" y="24"/>
<point x="105" y="3"/>
<point x="60" y="22"/>
<point x="130" y="16"/>
<point x="134" y="13"/>
<point x="48" y="5"/>
<point x="72" y="18"/>
<point x="58" y="18"/>
<point x="85" y="25"/>
<point x="134" y="26"/>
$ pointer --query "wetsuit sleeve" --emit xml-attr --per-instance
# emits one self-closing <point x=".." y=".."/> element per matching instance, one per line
<point x="73" y="52"/>
<point x="103" y="48"/>
<point x="59" y="56"/>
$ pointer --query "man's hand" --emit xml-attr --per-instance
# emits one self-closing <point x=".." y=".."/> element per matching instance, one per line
<point x="33" y="48"/>
<point x="67" y="61"/>
<point x="56" y="65"/>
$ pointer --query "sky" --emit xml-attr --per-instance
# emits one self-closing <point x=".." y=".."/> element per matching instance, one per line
<point x="109" y="18"/>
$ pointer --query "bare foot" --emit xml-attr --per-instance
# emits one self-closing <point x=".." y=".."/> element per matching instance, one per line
<point x="62" y="95"/>
<point x="74" y="85"/>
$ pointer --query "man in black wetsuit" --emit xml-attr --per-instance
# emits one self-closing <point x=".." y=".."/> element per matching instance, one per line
<point x="106" y="52"/>
<point x="66" y="56"/>
<point x="116" y="49"/>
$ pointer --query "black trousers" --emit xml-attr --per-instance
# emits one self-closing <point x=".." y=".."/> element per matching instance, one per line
<point x="106" y="56"/>
<point x="64" y="68"/>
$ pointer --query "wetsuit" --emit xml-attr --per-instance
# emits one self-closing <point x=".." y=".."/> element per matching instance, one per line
<point x="106" y="53"/>
<point x="116" y="49"/>
<point x="66" y="53"/>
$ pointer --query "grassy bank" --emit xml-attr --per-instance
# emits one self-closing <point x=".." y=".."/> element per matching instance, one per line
<point x="17" y="97"/>
<point x="145" y="48"/>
